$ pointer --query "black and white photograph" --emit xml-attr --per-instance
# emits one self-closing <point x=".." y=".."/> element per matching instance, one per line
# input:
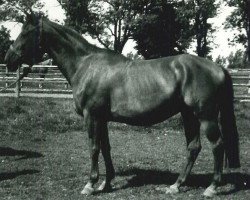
<point x="124" y="99"/>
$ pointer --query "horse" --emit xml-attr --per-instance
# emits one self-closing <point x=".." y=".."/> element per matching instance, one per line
<point x="108" y="87"/>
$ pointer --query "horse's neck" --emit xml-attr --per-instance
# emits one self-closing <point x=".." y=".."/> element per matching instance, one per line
<point x="65" y="48"/>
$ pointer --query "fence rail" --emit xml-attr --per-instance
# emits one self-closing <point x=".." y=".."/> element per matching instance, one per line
<point x="37" y="84"/>
<point x="53" y="84"/>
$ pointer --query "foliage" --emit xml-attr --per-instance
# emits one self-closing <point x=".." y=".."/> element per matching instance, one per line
<point x="221" y="61"/>
<point x="236" y="60"/>
<point x="78" y="15"/>
<point x="109" y="21"/>
<point x="133" y="56"/>
<point x="160" y="28"/>
<point x="156" y="31"/>
<point x="5" y="42"/>
<point x="199" y="11"/>
<point x="15" y="10"/>
<point x="240" y="19"/>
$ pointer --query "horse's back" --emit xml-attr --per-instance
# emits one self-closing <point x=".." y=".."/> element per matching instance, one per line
<point x="161" y="87"/>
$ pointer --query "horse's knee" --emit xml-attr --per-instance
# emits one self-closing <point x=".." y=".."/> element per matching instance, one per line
<point x="95" y="150"/>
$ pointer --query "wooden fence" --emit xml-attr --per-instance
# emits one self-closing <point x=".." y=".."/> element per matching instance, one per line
<point x="36" y="84"/>
<point x="241" y="84"/>
<point x="53" y="84"/>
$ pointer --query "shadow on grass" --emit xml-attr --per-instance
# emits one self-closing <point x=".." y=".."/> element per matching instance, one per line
<point x="7" y="151"/>
<point x="12" y="175"/>
<point x="143" y="177"/>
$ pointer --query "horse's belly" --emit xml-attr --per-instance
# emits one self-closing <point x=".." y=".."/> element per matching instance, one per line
<point x="145" y="111"/>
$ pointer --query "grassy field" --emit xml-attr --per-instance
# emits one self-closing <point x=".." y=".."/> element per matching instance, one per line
<point x="44" y="155"/>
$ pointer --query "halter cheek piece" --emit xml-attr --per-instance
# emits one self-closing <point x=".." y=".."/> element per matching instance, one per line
<point x="14" y="51"/>
<point x="20" y="55"/>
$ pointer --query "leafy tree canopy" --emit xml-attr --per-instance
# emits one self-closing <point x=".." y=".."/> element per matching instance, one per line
<point x="5" y="42"/>
<point x="240" y="19"/>
<point x="14" y="10"/>
<point x="113" y="22"/>
<point x="109" y="21"/>
<point x="157" y="30"/>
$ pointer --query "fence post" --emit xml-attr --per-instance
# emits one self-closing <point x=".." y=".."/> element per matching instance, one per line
<point x="248" y="85"/>
<point x="6" y="75"/>
<point x="18" y="88"/>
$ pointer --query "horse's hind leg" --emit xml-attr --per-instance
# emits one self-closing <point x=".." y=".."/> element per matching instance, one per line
<point x="192" y="133"/>
<point x="212" y="131"/>
<point x="105" y="148"/>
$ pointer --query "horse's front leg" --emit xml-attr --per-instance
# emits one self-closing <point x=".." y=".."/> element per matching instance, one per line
<point x="94" y="148"/>
<point x="105" y="148"/>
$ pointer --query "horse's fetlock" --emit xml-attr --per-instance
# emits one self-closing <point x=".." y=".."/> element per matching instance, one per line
<point x="94" y="177"/>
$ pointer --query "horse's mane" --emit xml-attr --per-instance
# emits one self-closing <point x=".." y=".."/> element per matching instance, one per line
<point x="77" y="38"/>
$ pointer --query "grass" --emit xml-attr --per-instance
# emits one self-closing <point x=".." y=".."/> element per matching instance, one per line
<point x="44" y="155"/>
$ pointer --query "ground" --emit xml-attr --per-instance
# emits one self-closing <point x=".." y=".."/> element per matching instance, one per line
<point x="44" y="155"/>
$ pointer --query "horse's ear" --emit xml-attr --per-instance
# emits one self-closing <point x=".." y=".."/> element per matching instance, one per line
<point x="30" y="16"/>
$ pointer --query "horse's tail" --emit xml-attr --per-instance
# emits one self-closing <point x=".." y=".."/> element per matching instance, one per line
<point x="228" y="123"/>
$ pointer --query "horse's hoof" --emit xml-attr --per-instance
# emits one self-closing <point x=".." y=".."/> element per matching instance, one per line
<point x="104" y="187"/>
<point x="172" y="190"/>
<point x="209" y="193"/>
<point x="87" y="191"/>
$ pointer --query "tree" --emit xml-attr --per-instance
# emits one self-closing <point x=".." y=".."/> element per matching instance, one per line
<point x="5" y="42"/>
<point x="171" y="27"/>
<point x="109" y="21"/>
<point x="156" y="31"/>
<point x="240" y="19"/>
<point x="78" y="15"/>
<point x="236" y="60"/>
<point x="221" y="61"/>
<point x="113" y="21"/>
<point x="199" y="13"/>
<point x="15" y="10"/>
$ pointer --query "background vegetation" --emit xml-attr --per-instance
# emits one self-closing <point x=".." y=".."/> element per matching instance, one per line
<point x="159" y="27"/>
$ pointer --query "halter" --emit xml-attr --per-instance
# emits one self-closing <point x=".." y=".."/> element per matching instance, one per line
<point x="20" y="55"/>
<point x="39" y="27"/>
<point x="14" y="51"/>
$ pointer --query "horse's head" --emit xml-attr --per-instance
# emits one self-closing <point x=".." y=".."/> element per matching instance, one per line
<point x="27" y="47"/>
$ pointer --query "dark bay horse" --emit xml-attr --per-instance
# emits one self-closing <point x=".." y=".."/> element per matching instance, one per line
<point x="110" y="87"/>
